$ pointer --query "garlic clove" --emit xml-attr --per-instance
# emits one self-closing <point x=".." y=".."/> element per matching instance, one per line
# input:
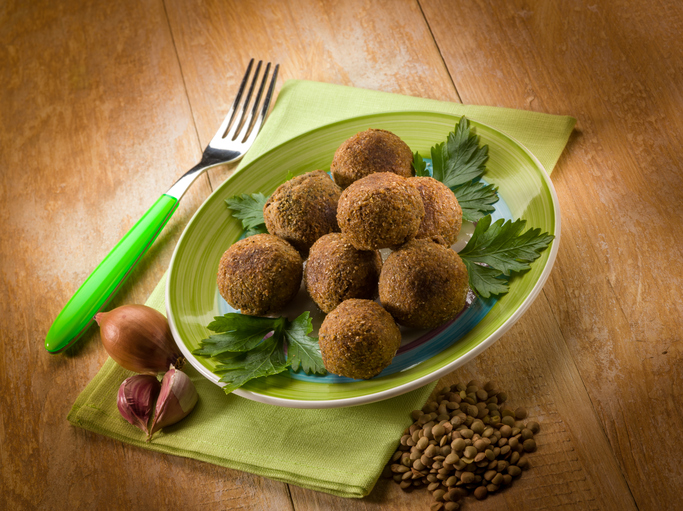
<point x="139" y="339"/>
<point x="177" y="399"/>
<point x="136" y="399"/>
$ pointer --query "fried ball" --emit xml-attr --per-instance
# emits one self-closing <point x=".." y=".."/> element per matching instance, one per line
<point x="368" y="152"/>
<point x="443" y="215"/>
<point x="336" y="271"/>
<point x="303" y="209"/>
<point x="358" y="339"/>
<point x="423" y="284"/>
<point x="259" y="275"/>
<point x="382" y="210"/>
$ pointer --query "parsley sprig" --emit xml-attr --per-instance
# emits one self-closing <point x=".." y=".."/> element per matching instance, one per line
<point x="249" y="347"/>
<point x="459" y="159"/>
<point x="476" y="200"/>
<point x="459" y="163"/>
<point x="249" y="209"/>
<point x="498" y="249"/>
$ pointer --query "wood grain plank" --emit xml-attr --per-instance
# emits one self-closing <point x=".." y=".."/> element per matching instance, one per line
<point x="94" y="93"/>
<point x="95" y="125"/>
<point x="574" y="467"/>
<point x="613" y="293"/>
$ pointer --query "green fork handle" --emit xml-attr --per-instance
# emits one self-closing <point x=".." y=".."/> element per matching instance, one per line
<point x="78" y="314"/>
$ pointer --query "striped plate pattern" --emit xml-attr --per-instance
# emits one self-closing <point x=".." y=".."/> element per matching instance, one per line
<point x="192" y="300"/>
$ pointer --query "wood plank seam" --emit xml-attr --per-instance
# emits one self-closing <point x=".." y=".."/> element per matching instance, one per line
<point x="448" y="72"/>
<point x="187" y="95"/>
<point x="590" y="399"/>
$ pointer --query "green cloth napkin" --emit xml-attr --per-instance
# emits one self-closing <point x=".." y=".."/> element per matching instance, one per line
<point x="302" y="106"/>
<point x="340" y="451"/>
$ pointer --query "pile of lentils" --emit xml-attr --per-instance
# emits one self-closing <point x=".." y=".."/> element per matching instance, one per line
<point x="465" y="441"/>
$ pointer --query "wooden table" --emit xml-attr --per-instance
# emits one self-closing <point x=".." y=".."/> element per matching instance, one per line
<point x="104" y="104"/>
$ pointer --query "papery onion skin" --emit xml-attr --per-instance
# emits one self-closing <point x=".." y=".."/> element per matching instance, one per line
<point x="177" y="399"/>
<point x="139" y="339"/>
<point x="136" y="398"/>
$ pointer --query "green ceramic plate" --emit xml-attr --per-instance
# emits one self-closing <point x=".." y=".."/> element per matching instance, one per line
<point x="192" y="299"/>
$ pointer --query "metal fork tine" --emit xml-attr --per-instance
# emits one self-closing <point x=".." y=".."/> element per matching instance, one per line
<point x="245" y="106"/>
<point x="222" y="131"/>
<point x="264" y="109"/>
<point x="249" y="122"/>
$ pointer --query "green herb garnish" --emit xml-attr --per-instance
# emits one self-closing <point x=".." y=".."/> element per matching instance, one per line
<point x="420" y="166"/>
<point x="503" y="248"/>
<point x="476" y="200"/>
<point x="249" y="209"/>
<point x="243" y="351"/>
<point x="460" y="159"/>
<point x="459" y="163"/>
<point x="303" y="350"/>
<point x="495" y="250"/>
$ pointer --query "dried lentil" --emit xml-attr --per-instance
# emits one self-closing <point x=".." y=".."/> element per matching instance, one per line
<point x="464" y="443"/>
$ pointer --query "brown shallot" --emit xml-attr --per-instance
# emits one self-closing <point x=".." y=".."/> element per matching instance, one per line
<point x="139" y="339"/>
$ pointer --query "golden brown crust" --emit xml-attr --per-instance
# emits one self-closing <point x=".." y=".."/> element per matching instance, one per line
<point x="336" y="271"/>
<point x="423" y="284"/>
<point x="368" y="152"/>
<point x="443" y="215"/>
<point x="259" y="275"/>
<point x="381" y="210"/>
<point x="303" y="209"/>
<point x="358" y="339"/>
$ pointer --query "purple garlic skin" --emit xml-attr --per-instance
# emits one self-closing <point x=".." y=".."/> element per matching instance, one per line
<point x="177" y="399"/>
<point x="136" y="399"/>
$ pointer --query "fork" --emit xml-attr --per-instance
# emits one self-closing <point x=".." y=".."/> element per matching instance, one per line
<point x="232" y="140"/>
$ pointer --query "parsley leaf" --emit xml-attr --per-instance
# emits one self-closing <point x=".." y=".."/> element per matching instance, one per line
<point x="302" y="350"/>
<point x="249" y="209"/>
<point x="476" y="199"/>
<point x="234" y="321"/>
<point x="244" y="350"/>
<point x="264" y="360"/>
<point x="459" y="160"/>
<point x="503" y="248"/>
<point x="458" y="163"/>
<point x="230" y="360"/>
<point x="486" y="281"/>
<point x="438" y="161"/>
<point x="237" y="333"/>
<point x="420" y="165"/>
